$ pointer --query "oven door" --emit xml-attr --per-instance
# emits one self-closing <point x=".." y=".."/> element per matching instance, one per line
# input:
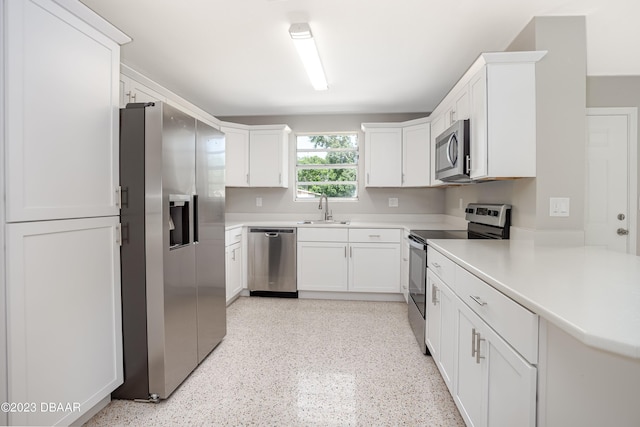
<point x="418" y="274"/>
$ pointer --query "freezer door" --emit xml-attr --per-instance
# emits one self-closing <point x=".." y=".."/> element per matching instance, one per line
<point x="209" y="234"/>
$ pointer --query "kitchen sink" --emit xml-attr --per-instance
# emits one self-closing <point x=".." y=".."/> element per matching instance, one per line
<point x="324" y="222"/>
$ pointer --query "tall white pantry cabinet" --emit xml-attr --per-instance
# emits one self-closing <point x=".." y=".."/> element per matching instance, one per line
<point x="60" y="213"/>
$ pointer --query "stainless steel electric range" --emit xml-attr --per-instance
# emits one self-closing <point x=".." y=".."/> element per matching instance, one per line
<point x="486" y="221"/>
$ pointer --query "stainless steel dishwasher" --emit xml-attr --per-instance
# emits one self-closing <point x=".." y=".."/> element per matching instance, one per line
<point x="272" y="262"/>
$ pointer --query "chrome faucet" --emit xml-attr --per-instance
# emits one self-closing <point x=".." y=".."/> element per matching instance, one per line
<point x="327" y="215"/>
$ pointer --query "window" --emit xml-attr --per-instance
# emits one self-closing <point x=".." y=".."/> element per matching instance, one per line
<point x="327" y="164"/>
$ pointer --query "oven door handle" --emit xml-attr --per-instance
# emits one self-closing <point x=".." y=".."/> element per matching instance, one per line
<point x="417" y="245"/>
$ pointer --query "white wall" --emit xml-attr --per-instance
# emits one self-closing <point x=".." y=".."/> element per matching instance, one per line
<point x="370" y="201"/>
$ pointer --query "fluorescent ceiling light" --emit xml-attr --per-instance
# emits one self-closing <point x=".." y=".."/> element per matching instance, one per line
<point x="308" y="52"/>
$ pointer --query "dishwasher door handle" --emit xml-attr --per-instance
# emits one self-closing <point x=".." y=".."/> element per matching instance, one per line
<point x="272" y="234"/>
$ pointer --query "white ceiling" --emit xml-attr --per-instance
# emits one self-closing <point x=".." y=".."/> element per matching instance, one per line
<point x="235" y="57"/>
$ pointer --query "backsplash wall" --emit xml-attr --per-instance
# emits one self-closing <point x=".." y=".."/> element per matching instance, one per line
<point x="370" y="200"/>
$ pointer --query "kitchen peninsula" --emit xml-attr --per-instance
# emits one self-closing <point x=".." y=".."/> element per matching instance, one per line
<point x="588" y="303"/>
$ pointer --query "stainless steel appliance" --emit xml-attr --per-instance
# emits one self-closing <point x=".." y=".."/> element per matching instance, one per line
<point x="272" y="262"/>
<point x="172" y="171"/>
<point x="452" y="153"/>
<point x="486" y="221"/>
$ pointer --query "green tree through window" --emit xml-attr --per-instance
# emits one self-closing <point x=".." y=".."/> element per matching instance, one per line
<point x="327" y="164"/>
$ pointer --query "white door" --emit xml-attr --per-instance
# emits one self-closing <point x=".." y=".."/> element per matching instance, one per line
<point x="610" y="201"/>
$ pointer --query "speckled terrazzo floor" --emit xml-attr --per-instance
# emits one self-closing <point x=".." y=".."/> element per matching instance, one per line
<point x="301" y="362"/>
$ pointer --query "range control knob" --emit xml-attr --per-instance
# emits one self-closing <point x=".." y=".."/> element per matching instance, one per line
<point x="469" y="210"/>
<point x="493" y="213"/>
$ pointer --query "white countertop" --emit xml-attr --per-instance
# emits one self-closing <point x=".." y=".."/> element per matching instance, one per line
<point x="408" y="225"/>
<point x="591" y="293"/>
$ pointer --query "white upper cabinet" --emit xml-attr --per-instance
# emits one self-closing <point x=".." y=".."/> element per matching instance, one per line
<point x="416" y="156"/>
<point x="257" y="156"/>
<point x="133" y="91"/>
<point x="61" y="114"/>
<point x="458" y="109"/>
<point x="269" y="157"/>
<point x="497" y="95"/>
<point x="397" y="154"/>
<point x="237" y="156"/>
<point x="383" y="157"/>
<point x="503" y="121"/>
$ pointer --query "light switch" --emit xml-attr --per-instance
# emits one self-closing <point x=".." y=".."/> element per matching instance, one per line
<point x="259" y="202"/>
<point x="558" y="206"/>
<point x="393" y="202"/>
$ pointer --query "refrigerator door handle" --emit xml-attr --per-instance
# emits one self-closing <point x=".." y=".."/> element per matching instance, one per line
<point x="195" y="220"/>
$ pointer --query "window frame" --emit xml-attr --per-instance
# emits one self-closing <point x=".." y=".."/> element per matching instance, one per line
<point x="302" y="166"/>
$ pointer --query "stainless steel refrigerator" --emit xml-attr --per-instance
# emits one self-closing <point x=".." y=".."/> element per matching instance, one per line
<point x="172" y="169"/>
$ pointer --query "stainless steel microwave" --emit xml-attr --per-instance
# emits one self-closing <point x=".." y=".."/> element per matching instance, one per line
<point x="452" y="153"/>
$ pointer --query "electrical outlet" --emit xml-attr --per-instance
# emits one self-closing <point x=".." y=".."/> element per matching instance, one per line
<point x="393" y="202"/>
<point x="259" y="202"/>
<point x="559" y="206"/>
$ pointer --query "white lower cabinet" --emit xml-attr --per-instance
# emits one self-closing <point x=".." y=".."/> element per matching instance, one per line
<point x="441" y="323"/>
<point x="64" y="334"/>
<point x="233" y="270"/>
<point x="322" y="266"/>
<point x="374" y="267"/>
<point x="494" y="385"/>
<point x="234" y="263"/>
<point x="491" y="382"/>
<point x="355" y="260"/>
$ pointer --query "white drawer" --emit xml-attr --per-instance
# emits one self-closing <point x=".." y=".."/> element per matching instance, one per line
<point x="322" y="234"/>
<point x="442" y="266"/>
<point x="375" y="235"/>
<point x="233" y="236"/>
<point x="514" y="323"/>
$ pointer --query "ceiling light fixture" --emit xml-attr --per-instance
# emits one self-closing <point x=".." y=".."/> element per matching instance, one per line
<point x="303" y="39"/>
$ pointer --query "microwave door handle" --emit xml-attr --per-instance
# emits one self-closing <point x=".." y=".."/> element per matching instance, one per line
<point x="452" y="139"/>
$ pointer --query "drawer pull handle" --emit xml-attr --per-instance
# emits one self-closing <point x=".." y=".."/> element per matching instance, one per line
<point x="478" y="300"/>
<point x="435" y="264"/>
<point x="374" y="235"/>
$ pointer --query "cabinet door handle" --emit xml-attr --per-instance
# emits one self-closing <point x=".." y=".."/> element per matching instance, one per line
<point x="434" y="291"/>
<point x="367" y="177"/>
<point x="279" y="178"/>
<point x="468" y="164"/>
<point x="233" y="255"/>
<point x="473" y="342"/>
<point x="350" y="252"/>
<point x="478" y="300"/>
<point x="435" y="264"/>
<point x="345" y="251"/>
<point x="247" y="179"/>
<point x="478" y="339"/>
